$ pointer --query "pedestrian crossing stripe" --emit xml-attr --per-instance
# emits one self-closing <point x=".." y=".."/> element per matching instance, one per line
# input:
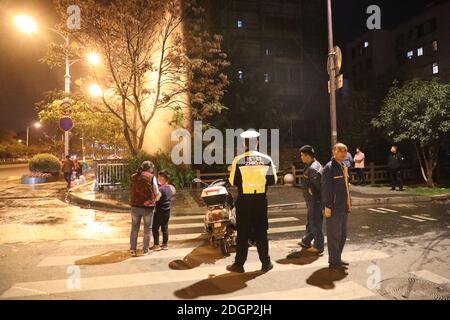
<point x="175" y="237"/>
<point x="382" y="210"/>
<point x="118" y="281"/>
<point x="430" y="276"/>
<point x="412" y="218"/>
<point x="389" y="210"/>
<point x="423" y="217"/>
<point x="348" y="290"/>
<point x="376" y="210"/>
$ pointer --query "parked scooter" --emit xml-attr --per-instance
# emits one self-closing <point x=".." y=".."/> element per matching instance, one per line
<point x="220" y="219"/>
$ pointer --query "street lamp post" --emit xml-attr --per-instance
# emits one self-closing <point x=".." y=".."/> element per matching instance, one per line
<point x="36" y="125"/>
<point x="332" y="73"/>
<point x="27" y="25"/>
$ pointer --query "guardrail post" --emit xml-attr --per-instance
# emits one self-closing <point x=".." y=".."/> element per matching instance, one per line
<point x="372" y="173"/>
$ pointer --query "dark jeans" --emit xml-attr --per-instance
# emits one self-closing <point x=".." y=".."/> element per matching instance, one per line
<point x="360" y="175"/>
<point x="68" y="178"/>
<point x="396" y="178"/>
<point x="251" y="220"/>
<point x="336" y="237"/>
<point x="314" y="225"/>
<point x="161" y="220"/>
<point x="138" y="214"/>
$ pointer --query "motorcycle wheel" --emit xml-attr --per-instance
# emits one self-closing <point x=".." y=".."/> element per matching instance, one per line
<point x="223" y="246"/>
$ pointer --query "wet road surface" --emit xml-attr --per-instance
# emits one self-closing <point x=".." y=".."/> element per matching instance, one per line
<point x="50" y="249"/>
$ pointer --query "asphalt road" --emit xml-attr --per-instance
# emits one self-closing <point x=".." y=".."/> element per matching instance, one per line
<point x="50" y="249"/>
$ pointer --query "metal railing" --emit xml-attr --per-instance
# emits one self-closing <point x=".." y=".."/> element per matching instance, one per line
<point x="109" y="172"/>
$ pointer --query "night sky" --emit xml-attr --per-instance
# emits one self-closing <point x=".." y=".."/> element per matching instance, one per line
<point x="23" y="78"/>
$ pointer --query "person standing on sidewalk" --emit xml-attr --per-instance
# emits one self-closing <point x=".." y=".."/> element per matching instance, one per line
<point x="359" y="165"/>
<point x="144" y="193"/>
<point x="395" y="162"/>
<point x="336" y="204"/>
<point x="67" y="168"/>
<point x="162" y="212"/>
<point x="251" y="172"/>
<point x="311" y="184"/>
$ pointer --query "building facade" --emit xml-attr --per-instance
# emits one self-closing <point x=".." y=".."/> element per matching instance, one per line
<point x="277" y="51"/>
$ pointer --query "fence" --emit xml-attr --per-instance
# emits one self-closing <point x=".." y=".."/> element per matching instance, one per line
<point x="112" y="172"/>
<point x="109" y="172"/>
<point x="373" y="174"/>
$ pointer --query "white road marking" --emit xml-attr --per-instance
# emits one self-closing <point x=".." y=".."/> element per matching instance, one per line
<point x="411" y="218"/>
<point x="376" y="210"/>
<point x="389" y="210"/>
<point x="175" y="237"/>
<point x="27" y="289"/>
<point x="191" y="217"/>
<point x="423" y="217"/>
<point x="343" y="291"/>
<point x="430" y="276"/>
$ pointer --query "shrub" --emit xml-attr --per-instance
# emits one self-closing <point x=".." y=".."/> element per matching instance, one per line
<point x="46" y="163"/>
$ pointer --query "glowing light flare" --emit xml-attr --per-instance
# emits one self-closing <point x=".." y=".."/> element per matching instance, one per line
<point x="25" y="24"/>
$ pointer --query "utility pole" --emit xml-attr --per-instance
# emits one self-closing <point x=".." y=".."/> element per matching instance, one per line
<point x="332" y="73"/>
<point x="67" y="91"/>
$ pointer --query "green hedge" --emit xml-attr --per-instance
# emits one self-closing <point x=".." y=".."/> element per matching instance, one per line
<point x="45" y="162"/>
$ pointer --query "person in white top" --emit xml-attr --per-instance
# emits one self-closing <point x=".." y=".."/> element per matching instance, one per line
<point x="358" y="159"/>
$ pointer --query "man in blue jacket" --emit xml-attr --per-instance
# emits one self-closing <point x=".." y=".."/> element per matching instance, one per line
<point x="311" y="184"/>
<point x="336" y="205"/>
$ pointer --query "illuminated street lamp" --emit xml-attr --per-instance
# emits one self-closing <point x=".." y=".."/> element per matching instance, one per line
<point x="95" y="90"/>
<point x="93" y="58"/>
<point x="26" y="24"/>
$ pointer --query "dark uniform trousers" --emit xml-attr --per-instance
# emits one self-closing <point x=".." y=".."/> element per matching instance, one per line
<point x="251" y="220"/>
<point x="336" y="236"/>
<point x="314" y="224"/>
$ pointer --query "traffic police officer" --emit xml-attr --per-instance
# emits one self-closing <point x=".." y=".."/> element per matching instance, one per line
<point x="251" y="172"/>
<point x="311" y="184"/>
<point x="336" y="204"/>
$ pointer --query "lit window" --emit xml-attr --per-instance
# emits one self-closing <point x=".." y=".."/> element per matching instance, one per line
<point x="435" y="68"/>
<point x="420" y="52"/>
<point x="435" y="45"/>
<point x="239" y="23"/>
<point x="410" y="54"/>
<point x="366" y="44"/>
<point x="266" y="52"/>
<point x="266" y="77"/>
<point x="240" y="75"/>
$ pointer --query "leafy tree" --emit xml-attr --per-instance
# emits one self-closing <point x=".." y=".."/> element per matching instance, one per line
<point x="149" y="65"/>
<point x="92" y="122"/>
<point x="418" y="111"/>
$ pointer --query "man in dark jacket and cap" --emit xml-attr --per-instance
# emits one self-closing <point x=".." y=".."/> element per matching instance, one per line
<point x="395" y="162"/>
<point x="311" y="184"/>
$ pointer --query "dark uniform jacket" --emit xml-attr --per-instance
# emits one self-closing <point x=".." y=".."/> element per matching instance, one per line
<point x="395" y="161"/>
<point x="311" y="181"/>
<point x="335" y="192"/>
<point x="251" y="172"/>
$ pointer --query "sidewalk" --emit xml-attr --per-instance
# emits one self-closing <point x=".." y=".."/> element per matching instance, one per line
<point x="188" y="201"/>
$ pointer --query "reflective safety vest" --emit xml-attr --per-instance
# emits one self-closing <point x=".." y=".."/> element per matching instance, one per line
<point x="252" y="172"/>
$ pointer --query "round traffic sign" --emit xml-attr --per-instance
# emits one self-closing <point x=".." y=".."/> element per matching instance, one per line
<point x="66" y="123"/>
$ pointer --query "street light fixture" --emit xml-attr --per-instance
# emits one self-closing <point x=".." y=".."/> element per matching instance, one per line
<point x="93" y="58"/>
<point x="95" y="90"/>
<point x="27" y="24"/>
<point x="37" y="125"/>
